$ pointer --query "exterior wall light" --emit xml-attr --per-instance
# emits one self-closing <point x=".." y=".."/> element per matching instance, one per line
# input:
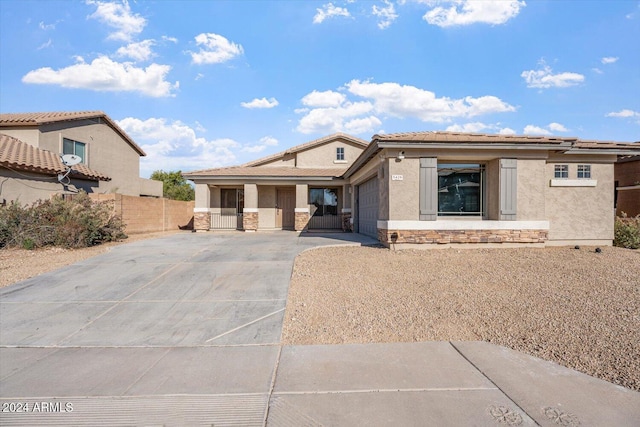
<point x="401" y="155"/>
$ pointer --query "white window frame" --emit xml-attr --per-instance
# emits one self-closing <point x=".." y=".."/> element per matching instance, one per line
<point x="584" y="172"/>
<point x="561" y="171"/>
<point x="75" y="142"/>
<point x="340" y="153"/>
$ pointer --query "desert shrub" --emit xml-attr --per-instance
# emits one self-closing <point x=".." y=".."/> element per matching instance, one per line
<point x="74" y="223"/>
<point x="627" y="232"/>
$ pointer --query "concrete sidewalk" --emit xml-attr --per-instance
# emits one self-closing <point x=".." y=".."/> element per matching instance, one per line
<point x="185" y="331"/>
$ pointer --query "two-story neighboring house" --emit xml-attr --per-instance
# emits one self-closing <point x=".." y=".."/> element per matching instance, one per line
<point x="31" y="145"/>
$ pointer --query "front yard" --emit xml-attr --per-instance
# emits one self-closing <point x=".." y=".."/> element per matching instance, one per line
<point x="578" y="308"/>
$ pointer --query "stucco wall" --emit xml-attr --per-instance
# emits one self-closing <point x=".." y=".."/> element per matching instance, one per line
<point x="404" y="194"/>
<point x="267" y="206"/>
<point x="324" y="156"/>
<point x="106" y="152"/>
<point x="30" y="136"/>
<point x="27" y="188"/>
<point x="532" y="183"/>
<point x="580" y="213"/>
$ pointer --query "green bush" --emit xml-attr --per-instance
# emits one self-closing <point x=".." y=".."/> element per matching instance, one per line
<point x="74" y="223"/>
<point x="627" y="232"/>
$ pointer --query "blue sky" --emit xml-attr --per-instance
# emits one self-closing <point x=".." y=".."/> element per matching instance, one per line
<point x="201" y="84"/>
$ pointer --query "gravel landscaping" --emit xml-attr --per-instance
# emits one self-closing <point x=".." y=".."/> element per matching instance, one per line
<point x="21" y="264"/>
<point x="578" y="308"/>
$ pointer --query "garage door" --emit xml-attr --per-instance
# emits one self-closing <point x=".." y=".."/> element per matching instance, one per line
<point x="368" y="208"/>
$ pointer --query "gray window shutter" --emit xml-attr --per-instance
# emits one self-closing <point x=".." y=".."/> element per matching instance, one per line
<point x="428" y="189"/>
<point x="508" y="188"/>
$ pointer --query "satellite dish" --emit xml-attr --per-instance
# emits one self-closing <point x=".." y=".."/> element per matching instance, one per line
<point x="71" y="159"/>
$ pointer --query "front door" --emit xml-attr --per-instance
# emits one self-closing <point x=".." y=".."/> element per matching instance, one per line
<point x="285" y="208"/>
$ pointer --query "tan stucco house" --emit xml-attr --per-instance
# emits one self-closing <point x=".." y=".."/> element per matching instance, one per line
<point x="298" y="189"/>
<point x="437" y="188"/>
<point x="31" y="145"/>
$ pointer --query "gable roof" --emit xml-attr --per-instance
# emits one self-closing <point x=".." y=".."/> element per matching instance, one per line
<point x="37" y="119"/>
<point x="307" y="146"/>
<point x="16" y="154"/>
<point x="460" y="137"/>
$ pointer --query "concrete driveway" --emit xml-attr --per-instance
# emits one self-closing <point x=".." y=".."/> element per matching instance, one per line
<point x="185" y="331"/>
<point x="186" y="325"/>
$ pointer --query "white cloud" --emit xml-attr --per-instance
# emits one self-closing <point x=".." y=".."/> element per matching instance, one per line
<point x="557" y="127"/>
<point x="410" y="101"/>
<point x="118" y="16"/>
<point x="104" y="74"/>
<point x="466" y="12"/>
<point x="328" y="98"/>
<point x="215" y="49"/>
<point x="337" y="119"/>
<point x="624" y="113"/>
<point x="47" y="27"/>
<point x="363" y="125"/>
<point x="139" y="51"/>
<point x="170" y="39"/>
<point x="260" y="103"/>
<point x="609" y="59"/>
<point x="544" y="78"/>
<point x="45" y="45"/>
<point x="386" y="15"/>
<point x="469" y="127"/>
<point x="173" y="145"/>
<point x="265" y="141"/>
<point x="332" y="111"/>
<point x="597" y="70"/>
<point x="328" y="11"/>
<point x="535" y="130"/>
<point x="507" y="131"/>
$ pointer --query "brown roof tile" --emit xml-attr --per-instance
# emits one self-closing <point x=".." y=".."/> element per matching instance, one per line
<point x="460" y="137"/>
<point x="36" y="119"/>
<point x="16" y="154"/>
<point x="268" y="172"/>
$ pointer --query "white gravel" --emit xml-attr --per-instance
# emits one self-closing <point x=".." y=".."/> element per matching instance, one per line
<point x="574" y="307"/>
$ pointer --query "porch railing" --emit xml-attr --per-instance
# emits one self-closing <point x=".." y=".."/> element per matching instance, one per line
<point x="326" y="222"/>
<point x="226" y="221"/>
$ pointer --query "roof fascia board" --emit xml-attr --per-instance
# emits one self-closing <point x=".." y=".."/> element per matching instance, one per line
<point x="254" y="178"/>
<point x="471" y="145"/>
<point x="611" y="151"/>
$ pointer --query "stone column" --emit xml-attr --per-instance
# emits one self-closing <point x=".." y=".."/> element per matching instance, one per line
<point x="201" y="210"/>
<point x="250" y="212"/>
<point x="302" y="207"/>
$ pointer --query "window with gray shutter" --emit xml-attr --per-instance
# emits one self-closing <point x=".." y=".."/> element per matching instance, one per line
<point x="508" y="189"/>
<point x="428" y="189"/>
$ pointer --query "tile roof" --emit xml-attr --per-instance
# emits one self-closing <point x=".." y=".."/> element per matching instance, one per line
<point x="37" y="119"/>
<point x="460" y="137"/>
<point x="267" y="172"/>
<point x="306" y="146"/>
<point x="16" y="154"/>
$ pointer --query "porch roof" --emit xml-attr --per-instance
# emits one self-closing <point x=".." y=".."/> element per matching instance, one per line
<point x="266" y="172"/>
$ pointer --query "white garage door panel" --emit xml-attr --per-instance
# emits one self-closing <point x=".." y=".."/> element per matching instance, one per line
<point x="368" y="208"/>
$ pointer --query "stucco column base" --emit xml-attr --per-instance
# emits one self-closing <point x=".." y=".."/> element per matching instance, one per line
<point x="346" y="223"/>
<point x="302" y="220"/>
<point x="462" y="236"/>
<point x="201" y="221"/>
<point x="250" y="221"/>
